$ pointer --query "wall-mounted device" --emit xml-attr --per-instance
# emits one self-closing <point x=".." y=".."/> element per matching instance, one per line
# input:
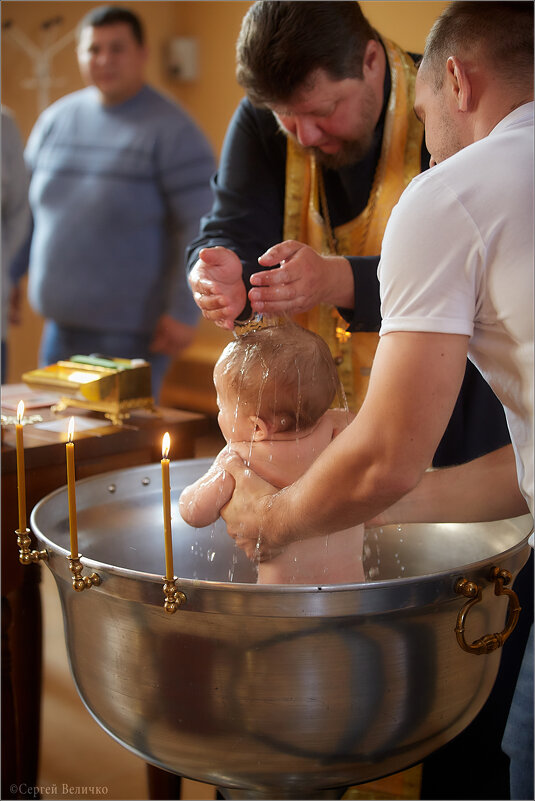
<point x="183" y="58"/>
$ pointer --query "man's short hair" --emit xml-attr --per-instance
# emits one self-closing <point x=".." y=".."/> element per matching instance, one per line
<point x="111" y="15"/>
<point x="282" y="43"/>
<point x="500" y="32"/>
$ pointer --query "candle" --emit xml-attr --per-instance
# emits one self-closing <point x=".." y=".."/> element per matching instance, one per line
<point x="21" y="485"/>
<point x="71" y="490"/>
<point x="169" y="572"/>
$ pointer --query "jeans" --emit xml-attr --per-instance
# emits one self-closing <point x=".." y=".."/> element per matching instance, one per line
<point x="59" y="343"/>
<point x="518" y="736"/>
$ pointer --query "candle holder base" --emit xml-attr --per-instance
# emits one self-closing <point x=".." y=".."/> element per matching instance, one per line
<point x="27" y="556"/>
<point x="79" y="582"/>
<point x="173" y="596"/>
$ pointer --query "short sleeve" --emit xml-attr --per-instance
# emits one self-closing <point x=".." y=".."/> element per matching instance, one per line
<point x="431" y="259"/>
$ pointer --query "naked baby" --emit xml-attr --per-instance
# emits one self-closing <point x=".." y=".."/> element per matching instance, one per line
<point x="275" y="386"/>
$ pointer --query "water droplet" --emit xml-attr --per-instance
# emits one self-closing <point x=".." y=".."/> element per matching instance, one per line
<point x="373" y="572"/>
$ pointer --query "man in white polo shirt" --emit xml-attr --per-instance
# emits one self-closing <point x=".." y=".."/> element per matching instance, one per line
<point x="456" y="277"/>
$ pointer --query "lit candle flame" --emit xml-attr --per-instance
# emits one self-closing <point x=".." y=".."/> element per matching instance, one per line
<point x="21" y="485"/>
<point x="166" y="444"/>
<point x="70" y="430"/>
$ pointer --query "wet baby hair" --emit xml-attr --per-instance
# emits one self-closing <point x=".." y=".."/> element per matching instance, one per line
<point x="285" y="372"/>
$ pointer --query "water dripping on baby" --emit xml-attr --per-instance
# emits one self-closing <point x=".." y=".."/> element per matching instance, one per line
<point x="263" y="379"/>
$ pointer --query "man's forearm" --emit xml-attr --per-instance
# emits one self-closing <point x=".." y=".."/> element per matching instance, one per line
<point x="330" y="497"/>
<point x="483" y="489"/>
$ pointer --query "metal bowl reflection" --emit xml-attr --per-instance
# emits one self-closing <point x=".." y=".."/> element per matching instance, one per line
<point x="271" y="691"/>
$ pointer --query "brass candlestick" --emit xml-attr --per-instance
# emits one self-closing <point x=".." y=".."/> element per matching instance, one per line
<point x="27" y="556"/>
<point x="173" y="596"/>
<point x="80" y="582"/>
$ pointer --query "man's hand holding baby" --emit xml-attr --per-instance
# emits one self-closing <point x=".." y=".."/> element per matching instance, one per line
<point x="247" y="512"/>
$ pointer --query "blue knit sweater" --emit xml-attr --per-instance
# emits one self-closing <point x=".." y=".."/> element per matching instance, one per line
<point x="116" y="194"/>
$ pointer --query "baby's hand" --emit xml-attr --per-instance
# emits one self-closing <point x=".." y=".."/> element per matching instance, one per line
<point x="200" y="503"/>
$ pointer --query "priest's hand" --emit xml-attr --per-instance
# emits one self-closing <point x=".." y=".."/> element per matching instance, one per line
<point x="217" y="285"/>
<point x="303" y="280"/>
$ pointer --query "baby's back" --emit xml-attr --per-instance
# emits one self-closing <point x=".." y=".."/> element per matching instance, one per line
<point x="329" y="559"/>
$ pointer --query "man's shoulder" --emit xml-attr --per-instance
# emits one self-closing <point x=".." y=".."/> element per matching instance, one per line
<point x="164" y="115"/>
<point x="161" y="104"/>
<point x="80" y="97"/>
<point x="508" y="147"/>
<point x="63" y="110"/>
<point x="10" y="129"/>
<point x="259" y="124"/>
<point x="261" y="117"/>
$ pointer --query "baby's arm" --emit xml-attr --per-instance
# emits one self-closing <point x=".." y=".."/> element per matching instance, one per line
<point x="201" y="502"/>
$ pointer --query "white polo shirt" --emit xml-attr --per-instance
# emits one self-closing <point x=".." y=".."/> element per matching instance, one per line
<point x="458" y="258"/>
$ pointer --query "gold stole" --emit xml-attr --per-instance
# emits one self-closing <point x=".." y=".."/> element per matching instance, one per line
<point x="398" y="164"/>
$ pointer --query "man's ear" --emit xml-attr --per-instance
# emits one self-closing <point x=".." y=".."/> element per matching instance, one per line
<point x="459" y="83"/>
<point x="370" y="61"/>
<point x="261" y="428"/>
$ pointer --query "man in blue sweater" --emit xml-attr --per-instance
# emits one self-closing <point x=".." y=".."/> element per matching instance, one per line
<point x="120" y="179"/>
<point x="15" y="210"/>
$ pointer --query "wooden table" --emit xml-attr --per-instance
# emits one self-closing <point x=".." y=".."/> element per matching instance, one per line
<point x="98" y="450"/>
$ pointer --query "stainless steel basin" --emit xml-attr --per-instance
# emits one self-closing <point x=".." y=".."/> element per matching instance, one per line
<point x="272" y="691"/>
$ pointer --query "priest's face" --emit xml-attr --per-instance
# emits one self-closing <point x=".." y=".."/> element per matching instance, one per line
<point x="335" y="119"/>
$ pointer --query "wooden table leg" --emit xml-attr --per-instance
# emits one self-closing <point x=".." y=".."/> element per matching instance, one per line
<point x="162" y="784"/>
<point x="21" y="686"/>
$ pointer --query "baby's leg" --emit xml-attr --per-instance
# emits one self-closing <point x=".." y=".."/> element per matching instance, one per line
<point x="332" y="559"/>
<point x="285" y="568"/>
<point x="343" y="559"/>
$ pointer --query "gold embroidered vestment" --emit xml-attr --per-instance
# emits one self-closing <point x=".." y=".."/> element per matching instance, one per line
<point x="303" y="219"/>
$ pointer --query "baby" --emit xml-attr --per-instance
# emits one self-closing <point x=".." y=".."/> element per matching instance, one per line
<point x="274" y="389"/>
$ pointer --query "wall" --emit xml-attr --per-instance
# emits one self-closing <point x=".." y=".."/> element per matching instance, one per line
<point x="407" y="22"/>
<point x="211" y="99"/>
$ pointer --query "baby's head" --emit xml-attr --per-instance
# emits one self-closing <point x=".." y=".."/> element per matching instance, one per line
<point x="276" y="379"/>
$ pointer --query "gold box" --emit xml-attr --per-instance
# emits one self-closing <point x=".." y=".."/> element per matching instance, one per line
<point x="113" y="386"/>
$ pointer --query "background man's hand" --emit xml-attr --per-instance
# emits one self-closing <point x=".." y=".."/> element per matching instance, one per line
<point x="217" y="285"/>
<point x="171" y="336"/>
<point x="15" y="305"/>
